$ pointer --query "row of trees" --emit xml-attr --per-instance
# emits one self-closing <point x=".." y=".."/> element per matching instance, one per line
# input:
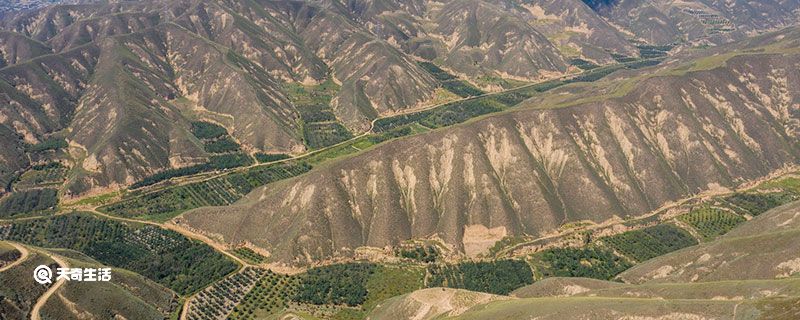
<point x="171" y="259"/>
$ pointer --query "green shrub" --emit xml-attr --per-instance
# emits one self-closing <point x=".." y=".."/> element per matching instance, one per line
<point x="223" y="145"/>
<point x="589" y="262"/>
<point x="164" y="256"/>
<point x="207" y="130"/>
<point x="269" y="157"/>
<point x="339" y="284"/>
<point x="712" y="222"/>
<point x="497" y="277"/>
<point x="648" y="243"/>
<point x="49" y="144"/>
<point x="28" y="202"/>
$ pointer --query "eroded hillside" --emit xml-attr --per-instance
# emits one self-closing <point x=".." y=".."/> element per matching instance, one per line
<point x="528" y="172"/>
<point x="122" y="82"/>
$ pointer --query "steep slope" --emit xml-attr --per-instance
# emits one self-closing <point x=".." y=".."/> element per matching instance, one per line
<point x="528" y="172"/>
<point x="238" y="62"/>
<point x="16" y="48"/>
<point x="480" y="33"/>
<point x="576" y="30"/>
<point x="668" y="21"/>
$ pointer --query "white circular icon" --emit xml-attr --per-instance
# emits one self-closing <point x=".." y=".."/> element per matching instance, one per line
<point x="43" y="275"/>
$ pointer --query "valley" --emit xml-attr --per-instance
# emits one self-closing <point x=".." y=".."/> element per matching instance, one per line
<point x="401" y="159"/>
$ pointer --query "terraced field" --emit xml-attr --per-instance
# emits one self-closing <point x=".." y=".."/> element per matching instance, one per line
<point x="44" y="175"/>
<point x="463" y="110"/>
<point x="712" y="222"/>
<point x="321" y="128"/>
<point x="224" y="190"/>
<point x="219" y="300"/>
<point x="756" y="203"/>
<point x="163" y="256"/>
<point x="497" y="277"/>
<point x="29" y="203"/>
<point x="249" y="255"/>
<point x="588" y="262"/>
<point x="269" y="296"/>
<point x="450" y="82"/>
<point x="648" y="243"/>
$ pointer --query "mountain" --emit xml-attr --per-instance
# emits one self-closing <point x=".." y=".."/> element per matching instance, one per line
<point x="669" y="21"/>
<point x="121" y="82"/>
<point x="401" y="159"/>
<point x="621" y="147"/>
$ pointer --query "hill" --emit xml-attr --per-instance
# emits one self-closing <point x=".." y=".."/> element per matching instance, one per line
<point x="700" y="282"/>
<point x="619" y="147"/>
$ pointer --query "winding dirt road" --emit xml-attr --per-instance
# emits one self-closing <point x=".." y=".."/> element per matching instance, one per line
<point x="43" y="299"/>
<point x="174" y="227"/>
<point x="23" y="255"/>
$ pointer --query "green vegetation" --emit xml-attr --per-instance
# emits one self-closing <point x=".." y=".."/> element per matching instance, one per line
<point x="29" y="202"/>
<point x="164" y="256"/>
<point x="223" y="190"/>
<point x="96" y="200"/>
<point x="51" y="143"/>
<point x="588" y="262"/>
<point x="436" y="72"/>
<point x="269" y="296"/>
<point x="424" y="253"/>
<point x="387" y="281"/>
<point x="339" y="284"/>
<point x="215" y="141"/>
<point x="650" y="51"/>
<point x="497" y="277"/>
<point x="128" y="295"/>
<point x="712" y="222"/>
<point x="621" y="58"/>
<point x="18" y="291"/>
<point x="223" y="145"/>
<point x="462" y="88"/>
<point x="320" y="126"/>
<point x="271" y="157"/>
<point x="8" y="254"/>
<point x="756" y="203"/>
<point x="446" y="115"/>
<point x="220" y="162"/>
<point x="651" y="242"/>
<point x="249" y="255"/>
<point x="215" y="138"/>
<point x="207" y="130"/>
<point x="583" y="64"/>
<point x="463" y="110"/>
<point x="42" y="175"/>
<point x="210" y="303"/>
<point x="504" y="243"/>
<point x="450" y="82"/>
<point x="323" y="134"/>
<point x="361" y="143"/>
